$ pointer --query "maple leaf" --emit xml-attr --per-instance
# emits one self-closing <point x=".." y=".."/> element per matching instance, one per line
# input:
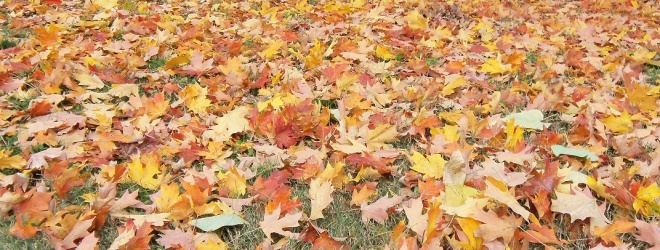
<point x="272" y="223"/>
<point x="580" y="206"/>
<point x="197" y="64"/>
<point x="383" y="53"/>
<point x="147" y="176"/>
<point x="382" y="134"/>
<point x="377" y="211"/>
<point x="234" y="180"/>
<point x="272" y="50"/>
<point x="416" y="20"/>
<point x="417" y="222"/>
<point x="647" y="200"/>
<point x="619" y="124"/>
<point x="133" y="237"/>
<point x="495" y="66"/>
<point x="364" y="195"/>
<point x="320" y="194"/>
<point x="9" y="161"/>
<point x="227" y="125"/>
<point x="432" y="166"/>
<point x="451" y="83"/>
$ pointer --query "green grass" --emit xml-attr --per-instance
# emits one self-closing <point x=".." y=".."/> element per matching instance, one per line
<point x="653" y="72"/>
<point x="21" y="104"/>
<point x="6" y="44"/>
<point x="156" y="63"/>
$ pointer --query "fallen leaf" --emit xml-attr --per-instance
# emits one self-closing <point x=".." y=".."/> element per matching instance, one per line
<point x="272" y="223"/>
<point x="532" y="119"/>
<point x="213" y="223"/>
<point x="561" y="150"/>
<point x="377" y="211"/>
<point x="320" y="194"/>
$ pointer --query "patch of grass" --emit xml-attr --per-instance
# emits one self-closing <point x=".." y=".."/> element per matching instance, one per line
<point x="531" y="58"/>
<point x="400" y="57"/>
<point x="432" y="61"/>
<point x="38" y="148"/>
<point x="184" y="81"/>
<point x="331" y="104"/>
<point x="21" y="104"/>
<point x="248" y="43"/>
<point x="6" y="44"/>
<point x="341" y="220"/>
<point x="8" y="142"/>
<point x="653" y="72"/>
<point x="156" y="63"/>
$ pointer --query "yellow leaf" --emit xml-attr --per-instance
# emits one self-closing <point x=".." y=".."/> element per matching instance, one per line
<point x="272" y="50"/>
<point x="416" y="20"/>
<point x="514" y="134"/>
<point x="367" y="173"/>
<point x="450" y="132"/>
<point x="177" y="61"/>
<point x="451" y="117"/>
<point x="383" y="53"/>
<point x="377" y="137"/>
<point x="647" y="200"/>
<point x="147" y="176"/>
<point x="105" y="4"/>
<point x="621" y="124"/>
<point x="8" y="161"/>
<point x="212" y="245"/>
<point x="457" y="194"/>
<point x="643" y="55"/>
<point x="449" y="88"/>
<point x="233" y="66"/>
<point x="470" y="227"/>
<point x="347" y="80"/>
<point x="199" y="105"/>
<point x="432" y="166"/>
<point x="90" y="81"/>
<point x="320" y="194"/>
<point x="334" y="174"/>
<point x="495" y="66"/>
<point x="315" y="56"/>
<point x="169" y="196"/>
<point x="234" y="181"/>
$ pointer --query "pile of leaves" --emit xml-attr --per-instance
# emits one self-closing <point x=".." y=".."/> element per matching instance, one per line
<point x="462" y="124"/>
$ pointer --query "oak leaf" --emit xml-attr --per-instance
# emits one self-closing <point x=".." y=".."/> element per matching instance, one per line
<point x="377" y="211"/>
<point x="272" y="223"/>
<point x="580" y="206"/>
